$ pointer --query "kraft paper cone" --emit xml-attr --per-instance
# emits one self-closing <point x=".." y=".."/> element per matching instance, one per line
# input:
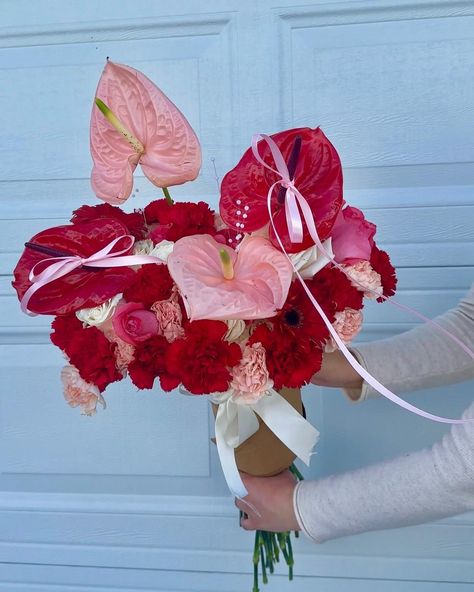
<point x="264" y="454"/>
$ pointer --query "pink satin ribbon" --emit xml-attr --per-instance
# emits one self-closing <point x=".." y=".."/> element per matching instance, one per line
<point x="293" y="198"/>
<point x="57" y="267"/>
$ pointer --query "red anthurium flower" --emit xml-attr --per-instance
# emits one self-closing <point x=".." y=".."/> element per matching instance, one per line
<point x="82" y="288"/>
<point x="314" y="165"/>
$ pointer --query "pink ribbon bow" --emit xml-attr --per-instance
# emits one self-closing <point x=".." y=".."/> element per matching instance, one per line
<point x="293" y="198"/>
<point x="57" y="267"/>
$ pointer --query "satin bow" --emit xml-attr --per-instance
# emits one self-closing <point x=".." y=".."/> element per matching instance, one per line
<point x="57" y="267"/>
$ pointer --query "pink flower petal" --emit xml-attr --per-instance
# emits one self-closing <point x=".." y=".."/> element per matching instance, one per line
<point x="262" y="277"/>
<point x="172" y="152"/>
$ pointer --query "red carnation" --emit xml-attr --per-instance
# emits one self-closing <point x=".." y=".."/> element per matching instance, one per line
<point x="179" y="220"/>
<point x="134" y="222"/>
<point x="151" y="283"/>
<point x="290" y="362"/>
<point x="332" y="284"/>
<point x="64" y="327"/>
<point x="158" y="212"/>
<point x="149" y="363"/>
<point x="188" y="219"/>
<point x="380" y="261"/>
<point x="88" y="350"/>
<point x="203" y="358"/>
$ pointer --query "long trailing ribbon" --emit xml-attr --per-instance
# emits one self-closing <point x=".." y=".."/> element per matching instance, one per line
<point x="57" y="267"/>
<point x="236" y="422"/>
<point x="293" y="198"/>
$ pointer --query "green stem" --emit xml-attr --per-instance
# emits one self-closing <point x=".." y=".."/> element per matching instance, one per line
<point x="169" y="201"/>
<point x="269" y="549"/>
<point x="296" y="473"/>
<point x="256" y="558"/>
<point x="264" y="569"/>
<point x="276" y="552"/>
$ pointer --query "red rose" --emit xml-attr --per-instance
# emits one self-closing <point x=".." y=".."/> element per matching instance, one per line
<point x="380" y="262"/>
<point x="88" y="350"/>
<point x="133" y="323"/>
<point x="135" y="222"/>
<point x="151" y="283"/>
<point x="290" y="362"/>
<point x="149" y="363"/>
<point x="203" y="358"/>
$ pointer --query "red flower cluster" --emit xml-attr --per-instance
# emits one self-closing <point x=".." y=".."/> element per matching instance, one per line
<point x="88" y="350"/>
<point x="149" y="363"/>
<point x="151" y="283"/>
<point x="380" y="261"/>
<point x="333" y="289"/>
<point x="179" y="220"/>
<point x="202" y="358"/>
<point x="290" y="361"/>
<point x="138" y="321"/>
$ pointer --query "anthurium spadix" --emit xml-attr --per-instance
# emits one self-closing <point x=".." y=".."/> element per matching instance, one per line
<point x="133" y="123"/>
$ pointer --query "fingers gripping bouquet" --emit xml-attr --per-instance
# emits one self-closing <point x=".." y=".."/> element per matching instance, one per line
<point x="238" y="305"/>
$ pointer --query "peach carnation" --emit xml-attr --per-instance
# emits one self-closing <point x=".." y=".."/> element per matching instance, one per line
<point x="347" y="324"/>
<point x="363" y="275"/>
<point x="79" y="393"/>
<point x="250" y="378"/>
<point x="170" y="318"/>
<point x="123" y="354"/>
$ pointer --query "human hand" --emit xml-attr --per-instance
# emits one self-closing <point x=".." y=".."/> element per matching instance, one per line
<point x="337" y="372"/>
<point x="272" y="498"/>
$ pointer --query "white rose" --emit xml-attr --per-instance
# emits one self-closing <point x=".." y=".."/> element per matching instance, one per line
<point x="235" y="329"/>
<point x="143" y="247"/>
<point x="310" y="261"/>
<point x="163" y="250"/>
<point x="98" y="314"/>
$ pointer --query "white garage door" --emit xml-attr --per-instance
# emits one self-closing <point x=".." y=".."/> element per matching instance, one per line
<point x="133" y="499"/>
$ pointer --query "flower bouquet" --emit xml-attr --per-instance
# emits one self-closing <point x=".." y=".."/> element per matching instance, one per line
<point x="237" y="305"/>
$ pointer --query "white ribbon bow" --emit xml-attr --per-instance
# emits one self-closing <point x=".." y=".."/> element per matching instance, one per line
<point x="236" y="422"/>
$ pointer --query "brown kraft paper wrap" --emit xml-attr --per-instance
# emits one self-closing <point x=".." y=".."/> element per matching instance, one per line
<point x="264" y="454"/>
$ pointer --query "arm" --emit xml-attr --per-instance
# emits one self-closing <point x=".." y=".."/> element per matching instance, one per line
<point x="421" y="358"/>
<point x="423" y="486"/>
<point x="419" y="487"/>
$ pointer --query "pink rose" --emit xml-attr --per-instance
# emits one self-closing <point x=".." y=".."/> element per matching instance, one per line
<point x="352" y="236"/>
<point x="363" y="276"/>
<point x="79" y="393"/>
<point x="134" y="323"/>
<point x="347" y="324"/>
<point x="250" y="378"/>
<point x="169" y="317"/>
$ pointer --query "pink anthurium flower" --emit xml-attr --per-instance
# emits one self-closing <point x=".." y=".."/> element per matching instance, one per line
<point x="134" y="122"/>
<point x="218" y="283"/>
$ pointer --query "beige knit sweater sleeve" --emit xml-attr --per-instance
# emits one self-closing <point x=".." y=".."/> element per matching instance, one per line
<point x="425" y="485"/>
